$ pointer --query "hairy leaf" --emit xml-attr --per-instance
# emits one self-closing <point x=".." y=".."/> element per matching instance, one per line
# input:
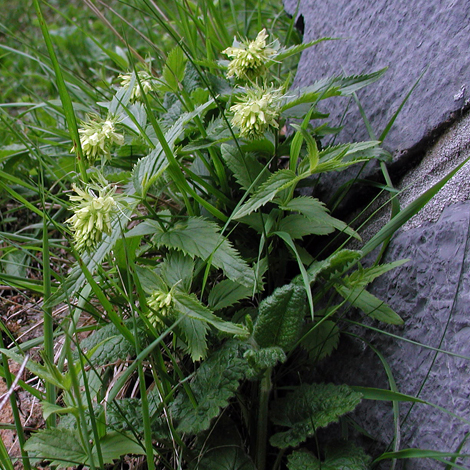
<point x="214" y="383"/>
<point x="199" y="237"/>
<point x="281" y="317"/>
<point x="308" y="408"/>
<point x="343" y="455"/>
<point x="261" y="359"/>
<point x="369" y="304"/>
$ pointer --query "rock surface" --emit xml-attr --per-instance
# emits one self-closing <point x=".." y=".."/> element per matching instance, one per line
<point x="432" y="134"/>
<point x="408" y="37"/>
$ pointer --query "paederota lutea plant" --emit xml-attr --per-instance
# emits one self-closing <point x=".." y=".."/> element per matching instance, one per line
<point x="196" y="256"/>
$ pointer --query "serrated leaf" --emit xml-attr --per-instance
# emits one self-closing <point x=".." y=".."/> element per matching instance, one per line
<point x="245" y="167"/>
<point x="316" y="211"/>
<point x="61" y="446"/>
<point x="343" y="455"/>
<point x="280" y="317"/>
<point x="199" y="237"/>
<point x="335" y="265"/>
<point x="177" y="270"/>
<point x="227" y="293"/>
<point x="194" y="332"/>
<point x="277" y="182"/>
<point x="308" y="408"/>
<point x="362" y="277"/>
<point x="369" y="304"/>
<point x="148" y="169"/>
<point x="189" y="305"/>
<point x="298" y="226"/>
<point x="349" y="85"/>
<point x="321" y="340"/>
<point x="214" y="384"/>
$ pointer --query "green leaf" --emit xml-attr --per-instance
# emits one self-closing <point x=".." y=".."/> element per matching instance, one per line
<point x="264" y="358"/>
<point x="115" y="444"/>
<point x="363" y="277"/>
<point x="349" y="85"/>
<point x="280" y="317"/>
<point x="125" y="415"/>
<point x="308" y="408"/>
<point x="227" y="293"/>
<point x="316" y="211"/>
<point x="50" y="408"/>
<point x="148" y="169"/>
<point x="229" y="457"/>
<point x="245" y="167"/>
<point x="61" y="446"/>
<point x="342" y="455"/>
<point x="298" y="226"/>
<point x="369" y="393"/>
<point x="321" y="340"/>
<point x="50" y="374"/>
<point x="199" y="237"/>
<point x="173" y="70"/>
<point x="421" y="454"/>
<point x="189" y="305"/>
<point x="194" y="332"/>
<point x="177" y="270"/>
<point x="335" y="265"/>
<point x="369" y="304"/>
<point x="276" y="183"/>
<point x="214" y="384"/>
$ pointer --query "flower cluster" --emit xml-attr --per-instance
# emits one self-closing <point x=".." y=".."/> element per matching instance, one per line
<point x="249" y="58"/>
<point x="162" y="302"/>
<point x="92" y="215"/>
<point x="145" y="80"/>
<point x="258" y="110"/>
<point x="97" y="136"/>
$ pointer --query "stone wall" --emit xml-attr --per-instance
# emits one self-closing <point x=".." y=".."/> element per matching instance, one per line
<point x="431" y="136"/>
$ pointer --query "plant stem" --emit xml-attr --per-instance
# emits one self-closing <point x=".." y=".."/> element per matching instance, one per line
<point x="262" y="428"/>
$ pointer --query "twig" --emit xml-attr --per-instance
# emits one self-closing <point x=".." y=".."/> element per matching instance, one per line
<point x="10" y="391"/>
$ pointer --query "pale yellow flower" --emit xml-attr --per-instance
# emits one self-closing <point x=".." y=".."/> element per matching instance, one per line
<point x="145" y="80"/>
<point x="97" y="136"/>
<point x="92" y="215"/>
<point x="258" y="110"/>
<point x="161" y="302"/>
<point x="249" y="57"/>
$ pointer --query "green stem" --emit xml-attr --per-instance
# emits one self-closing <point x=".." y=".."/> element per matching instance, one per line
<point x="262" y="427"/>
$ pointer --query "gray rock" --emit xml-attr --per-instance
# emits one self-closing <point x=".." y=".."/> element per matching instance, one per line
<point x="409" y="37"/>
<point x="432" y="293"/>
